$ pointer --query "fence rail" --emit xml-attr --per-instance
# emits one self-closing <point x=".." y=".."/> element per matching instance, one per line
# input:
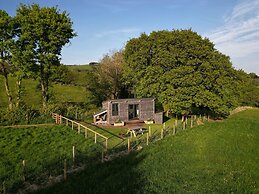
<point x="59" y="120"/>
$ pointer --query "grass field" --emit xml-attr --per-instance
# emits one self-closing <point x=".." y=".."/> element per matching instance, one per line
<point x="219" y="157"/>
<point x="80" y="73"/>
<point x="43" y="149"/>
<point x="31" y="94"/>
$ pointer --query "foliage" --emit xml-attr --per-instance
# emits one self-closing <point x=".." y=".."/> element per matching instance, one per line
<point x="219" y="157"/>
<point x="71" y="101"/>
<point x="105" y="79"/>
<point x="62" y="74"/>
<point x="46" y="31"/>
<point x="23" y="115"/>
<point x="183" y="71"/>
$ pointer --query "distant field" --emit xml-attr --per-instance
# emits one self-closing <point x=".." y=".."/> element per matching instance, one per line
<point x="31" y="94"/>
<point x="79" y="67"/>
<point x="219" y="157"/>
<point x="80" y="73"/>
<point x="43" y="149"/>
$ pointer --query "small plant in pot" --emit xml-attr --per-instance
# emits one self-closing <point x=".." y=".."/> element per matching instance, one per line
<point x="149" y="121"/>
<point x="118" y="122"/>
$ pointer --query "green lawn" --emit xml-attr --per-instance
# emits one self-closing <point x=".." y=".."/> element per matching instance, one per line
<point x="43" y="149"/>
<point x="31" y="94"/>
<point x="219" y="157"/>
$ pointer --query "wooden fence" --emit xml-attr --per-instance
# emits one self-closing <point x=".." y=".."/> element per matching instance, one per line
<point x="80" y="127"/>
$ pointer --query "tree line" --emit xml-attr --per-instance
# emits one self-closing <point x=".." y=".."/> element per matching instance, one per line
<point x="182" y="70"/>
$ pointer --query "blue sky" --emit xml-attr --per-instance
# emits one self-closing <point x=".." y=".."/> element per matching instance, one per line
<point x="107" y="25"/>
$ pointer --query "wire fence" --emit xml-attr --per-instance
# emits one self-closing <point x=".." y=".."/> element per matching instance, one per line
<point x="45" y="172"/>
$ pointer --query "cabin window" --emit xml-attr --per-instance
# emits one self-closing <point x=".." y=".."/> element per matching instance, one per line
<point x="115" y="109"/>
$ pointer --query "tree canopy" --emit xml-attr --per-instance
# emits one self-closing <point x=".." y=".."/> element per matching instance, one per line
<point x="183" y="71"/>
<point x="105" y="79"/>
<point x="43" y="33"/>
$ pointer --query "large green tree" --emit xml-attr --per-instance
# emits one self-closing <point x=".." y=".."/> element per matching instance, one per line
<point x="183" y="71"/>
<point x="105" y="79"/>
<point x="43" y="32"/>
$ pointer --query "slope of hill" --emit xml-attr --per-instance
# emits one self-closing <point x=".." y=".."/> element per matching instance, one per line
<point x="220" y="157"/>
<point x="31" y="93"/>
<point x="79" y="73"/>
<point x="44" y="150"/>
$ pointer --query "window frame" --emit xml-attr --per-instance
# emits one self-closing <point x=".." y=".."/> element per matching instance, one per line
<point x="115" y="109"/>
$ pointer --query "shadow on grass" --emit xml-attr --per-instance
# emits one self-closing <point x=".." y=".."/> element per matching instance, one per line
<point x="113" y="134"/>
<point x="117" y="176"/>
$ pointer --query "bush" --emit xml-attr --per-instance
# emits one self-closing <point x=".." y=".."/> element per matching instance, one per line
<point x="23" y="115"/>
<point x="30" y="115"/>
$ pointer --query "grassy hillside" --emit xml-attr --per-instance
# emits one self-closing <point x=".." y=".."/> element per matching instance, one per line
<point x="79" y="73"/>
<point x="31" y="94"/>
<point x="219" y="157"/>
<point x="43" y="149"/>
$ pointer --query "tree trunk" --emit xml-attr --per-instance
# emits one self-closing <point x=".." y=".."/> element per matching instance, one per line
<point x="44" y="86"/>
<point x="44" y="94"/>
<point x="18" y="86"/>
<point x="7" y="91"/>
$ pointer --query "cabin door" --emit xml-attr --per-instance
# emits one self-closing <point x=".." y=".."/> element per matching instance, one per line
<point x="133" y="111"/>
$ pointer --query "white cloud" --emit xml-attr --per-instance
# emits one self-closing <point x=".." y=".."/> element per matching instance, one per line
<point x="243" y="9"/>
<point x="239" y="36"/>
<point x="117" y="32"/>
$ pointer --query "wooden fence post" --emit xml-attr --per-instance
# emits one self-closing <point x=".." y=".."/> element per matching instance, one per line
<point x="106" y="145"/>
<point x="191" y="122"/>
<point x="78" y="126"/>
<point x="95" y="138"/>
<point x="73" y="152"/>
<point x="66" y="122"/>
<point x="72" y="125"/>
<point x="60" y="119"/>
<point x="208" y="117"/>
<point x="128" y="145"/>
<point x="23" y="169"/>
<point x="147" y="138"/>
<point x="56" y="118"/>
<point x="149" y="131"/>
<point x="65" y="169"/>
<point x="162" y="133"/>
